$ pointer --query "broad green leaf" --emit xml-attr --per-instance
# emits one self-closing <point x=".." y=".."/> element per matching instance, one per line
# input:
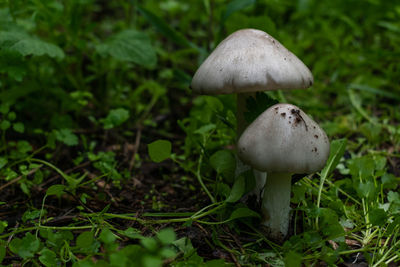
<point x="57" y="189"/>
<point x="48" y="258"/>
<point x="36" y="47"/>
<point x="243" y="213"/>
<point x="365" y="190"/>
<point x="236" y="5"/>
<point x="115" y="118"/>
<point x="107" y="237"/>
<point x="389" y="181"/>
<point x="377" y="217"/>
<point x="149" y="243"/>
<point x="67" y="137"/>
<point x="293" y="259"/>
<point x="159" y="150"/>
<point x="362" y="167"/>
<point x="3" y="162"/>
<point x="224" y="163"/>
<point x="130" y="45"/>
<point x="237" y="190"/>
<point x="25" y="247"/>
<point x="19" y="127"/>
<point x="166" y="236"/>
<point x="85" y="240"/>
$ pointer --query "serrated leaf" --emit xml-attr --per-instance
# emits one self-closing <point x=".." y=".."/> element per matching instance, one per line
<point x="36" y="47"/>
<point x="159" y="150"/>
<point x="67" y="137"/>
<point x="130" y="45"/>
<point x="237" y="190"/>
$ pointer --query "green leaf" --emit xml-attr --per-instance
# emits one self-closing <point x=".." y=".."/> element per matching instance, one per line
<point x="165" y="29"/>
<point x="293" y="259"/>
<point x="4" y="125"/>
<point x="25" y="247"/>
<point x="115" y="118"/>
<point x="2" y="250"/>
<point x="107" y="237"/>
<point x="3" y="162"/>
<point x="237" y="190"/>
<point x="243" y="213"/>
<point x="337" y="149"/>
<point x="36" y="47"/>
<point x="149" y="243"/>
<point x="130" y="45"/>
<point x="166" y="236"/>
<point x="57" y="190"/>
<point x="236" y="5"/>
<point x="257" y="105"/>
<point x="85" y="240"/>
<point x="159" y="150"/>
<point x="377" y="217"/>
<point x="48" y="258"/>
<point x="362" y="167"/>
<point x="19" y="127"/>
<point x="389" y="181"/>
<point x="365" y="190"/>
<point x="224" y="163"/>
<point x="67" y="137"/>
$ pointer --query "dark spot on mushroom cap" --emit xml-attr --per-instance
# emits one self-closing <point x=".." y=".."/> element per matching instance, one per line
<point x="290" y="117"/>
<point x="316" y="136"/>
<point x="315" y="149"/>
<point x="298" y="120"/>
<point x="283" y="114"/>
<point x="314" y="127"/>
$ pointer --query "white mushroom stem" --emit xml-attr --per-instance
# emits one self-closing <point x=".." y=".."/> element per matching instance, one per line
<point x="260" y="177"/>
<point x="276" y="205"/>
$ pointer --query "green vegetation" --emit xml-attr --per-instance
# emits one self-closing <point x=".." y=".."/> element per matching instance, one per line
<point x="108" y="159"/>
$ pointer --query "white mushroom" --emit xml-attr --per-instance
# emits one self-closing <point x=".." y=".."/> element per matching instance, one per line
<point x="245" y="62"/>
<point x="282" y="141"/>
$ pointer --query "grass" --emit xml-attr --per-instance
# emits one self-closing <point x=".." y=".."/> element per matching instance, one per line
<point x="108" y="159"/>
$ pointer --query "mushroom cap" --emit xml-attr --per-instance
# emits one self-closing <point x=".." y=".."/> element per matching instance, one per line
<point x="250" y="60"/>
<point x="284" y="139"/>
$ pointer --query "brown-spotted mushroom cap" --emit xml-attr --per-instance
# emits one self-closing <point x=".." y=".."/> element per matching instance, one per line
<point x="250" y="60"/>
<point x="284" y="139"/>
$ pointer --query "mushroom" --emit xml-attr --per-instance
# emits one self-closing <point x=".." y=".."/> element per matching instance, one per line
<point x="282" y="141"/>
<point x="246" y="62"/>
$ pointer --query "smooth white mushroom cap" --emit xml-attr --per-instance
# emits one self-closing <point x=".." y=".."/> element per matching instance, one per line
<point x="284" y="139"/>
<point x="250" y="60"/>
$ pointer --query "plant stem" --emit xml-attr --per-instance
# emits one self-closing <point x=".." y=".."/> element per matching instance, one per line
<point x="276" y="205"/>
